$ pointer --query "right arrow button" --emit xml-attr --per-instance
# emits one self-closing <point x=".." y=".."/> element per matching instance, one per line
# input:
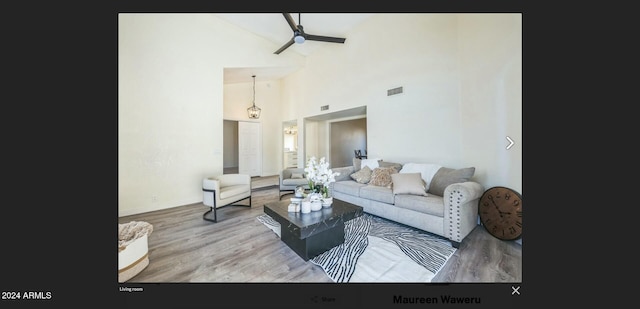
<point x="510" y="142"/>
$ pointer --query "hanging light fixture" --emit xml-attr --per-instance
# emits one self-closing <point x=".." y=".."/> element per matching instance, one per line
<point x="254" y="111"/>
<point x="290" y="130"/>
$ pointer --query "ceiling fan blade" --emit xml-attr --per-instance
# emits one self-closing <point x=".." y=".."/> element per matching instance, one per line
<point x="284" y="46"/>
<point x="312" y="37"/>
<point x="292" y="23"/>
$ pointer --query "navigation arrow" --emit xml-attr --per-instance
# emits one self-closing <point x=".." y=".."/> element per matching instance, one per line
<point x="510" y="143"/>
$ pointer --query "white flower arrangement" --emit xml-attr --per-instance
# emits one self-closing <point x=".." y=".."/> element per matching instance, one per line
<point x="319" y="173"/>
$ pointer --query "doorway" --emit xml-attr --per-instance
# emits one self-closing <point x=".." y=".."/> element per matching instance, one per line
<point x="336" y="142"/>
<point x="249" y="148"/>
<point x="242" y="148"/>
<point x="290" y="142"/>
<point x="347" y="136"/>
<point x="230" y="147"/>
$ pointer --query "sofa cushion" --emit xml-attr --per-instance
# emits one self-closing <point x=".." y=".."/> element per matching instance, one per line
<point x="431" y="204"/>
<point x="297" y="175"/>
<point x="376" y="193"/>
<point x="381" y="176"/>
<point x="349" y="187"/>
<point x="230" y="191"/>
<point x="446" y="176"/>
<point x="426" y="171"/>
<point x="287" y="172"/>
<point x="408" y="183"/>
<point x="362" y="176"/>
<point x="294" y="182"/>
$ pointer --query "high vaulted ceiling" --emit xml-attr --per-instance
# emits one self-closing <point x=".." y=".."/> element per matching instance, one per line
<point x="274" y="27"/>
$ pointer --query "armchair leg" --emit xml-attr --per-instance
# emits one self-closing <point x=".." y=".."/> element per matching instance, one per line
<point x="215" y="219"/>
<point x="215" y="213"/>
<point x="214" y="208"/>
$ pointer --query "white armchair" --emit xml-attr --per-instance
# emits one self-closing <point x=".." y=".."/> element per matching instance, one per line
<point x="225" y="190"/>
<point x="289" y="183"/>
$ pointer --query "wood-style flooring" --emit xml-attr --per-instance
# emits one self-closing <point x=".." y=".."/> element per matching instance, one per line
<point x="238" y="248"/>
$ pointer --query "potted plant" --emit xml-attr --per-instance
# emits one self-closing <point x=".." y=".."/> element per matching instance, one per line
<point x="320" y="176"/>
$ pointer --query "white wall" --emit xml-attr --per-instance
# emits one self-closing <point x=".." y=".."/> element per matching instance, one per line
<point x="459" y="72"/>
<point x="170" y="103"/>
<point x="491" y="90"/>
<point x="462" y="95"/>
<point x="374" y="59"/>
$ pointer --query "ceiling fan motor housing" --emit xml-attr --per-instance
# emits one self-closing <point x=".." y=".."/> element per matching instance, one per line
<point x="299" y="36"/>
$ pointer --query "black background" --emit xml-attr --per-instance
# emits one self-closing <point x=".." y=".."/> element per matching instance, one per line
<point x="60" y="149"/>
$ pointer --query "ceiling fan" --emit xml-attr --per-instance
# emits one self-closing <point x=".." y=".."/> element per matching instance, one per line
<point x="299" y="36"/>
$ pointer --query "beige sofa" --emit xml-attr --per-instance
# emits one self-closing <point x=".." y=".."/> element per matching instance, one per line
<point x="449" y="208"/>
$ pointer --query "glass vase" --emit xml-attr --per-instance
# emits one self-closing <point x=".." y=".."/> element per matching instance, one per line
<point x="324" y="191"/>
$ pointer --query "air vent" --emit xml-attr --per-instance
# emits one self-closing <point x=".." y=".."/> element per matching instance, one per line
<point x="324" y="107"/>
<point x="393" y="91"/>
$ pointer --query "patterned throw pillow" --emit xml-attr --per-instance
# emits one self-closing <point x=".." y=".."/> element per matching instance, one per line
<point x="362" y="176"/>
<point x="397" y="166"/>
<point x="381" y="176"/>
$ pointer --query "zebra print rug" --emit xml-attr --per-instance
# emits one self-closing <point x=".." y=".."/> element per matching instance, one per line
<point x="379" y="250"/>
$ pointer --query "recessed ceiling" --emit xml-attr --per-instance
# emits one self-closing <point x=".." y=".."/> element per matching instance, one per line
<point x="274" y="28"/>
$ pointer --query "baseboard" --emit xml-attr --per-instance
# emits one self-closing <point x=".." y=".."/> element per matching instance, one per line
<point x="141" y="210"/>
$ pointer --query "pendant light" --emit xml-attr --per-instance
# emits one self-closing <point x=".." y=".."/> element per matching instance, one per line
<point x="254" y="111"/>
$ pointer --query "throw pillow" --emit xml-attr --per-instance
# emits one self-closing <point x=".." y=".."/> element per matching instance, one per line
<point x="371" y="163"/>
<point x="297" y="176"/>
<point x="362" y="176"/>
<point x="381" y="176"/>
<point x="446" y="176"/>
<point x="408" y="183"/>
<point x="397" y="166"/>
<point x="427" y="171"/>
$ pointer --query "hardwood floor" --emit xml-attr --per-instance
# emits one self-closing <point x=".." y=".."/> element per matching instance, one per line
<point x="185" y="248"/>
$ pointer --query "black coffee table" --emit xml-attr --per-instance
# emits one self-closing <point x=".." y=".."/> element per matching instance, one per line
<point x="315" y="232"/>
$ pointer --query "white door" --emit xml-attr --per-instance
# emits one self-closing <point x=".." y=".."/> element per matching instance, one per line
<point x="249" y="148"/>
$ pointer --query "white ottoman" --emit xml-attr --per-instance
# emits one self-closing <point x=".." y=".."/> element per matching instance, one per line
<point x="133" y="249"/>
